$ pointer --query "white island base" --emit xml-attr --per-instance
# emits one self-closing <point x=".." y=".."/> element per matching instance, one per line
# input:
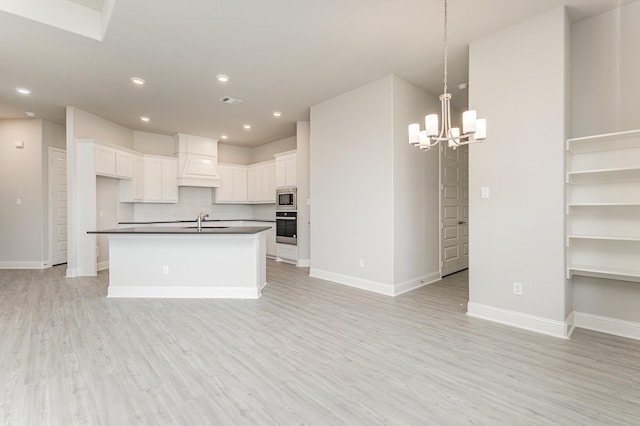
<point x="230" y="266"/>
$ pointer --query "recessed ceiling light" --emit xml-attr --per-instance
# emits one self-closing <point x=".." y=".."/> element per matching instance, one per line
<point x="30" y="114"/>
<point x="277" y="113"/>
<point x="138" y="81"/>
<point x="224" y="137"/>
<point x="247" y="126"/>
<point x="222" y="78"/>
<point x="23" y="91"/>
<point x="145" y="119"/>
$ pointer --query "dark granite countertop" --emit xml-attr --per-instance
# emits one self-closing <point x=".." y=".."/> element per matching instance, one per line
<point x="183" y="230"/>
<point x="194" y="221"/>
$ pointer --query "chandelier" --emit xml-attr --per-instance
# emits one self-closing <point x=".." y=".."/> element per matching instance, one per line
<point x="474" y="129"/>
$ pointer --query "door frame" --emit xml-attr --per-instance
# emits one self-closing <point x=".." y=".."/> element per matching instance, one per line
<point x="51" y="202"/>
<point x="441" y="149"/>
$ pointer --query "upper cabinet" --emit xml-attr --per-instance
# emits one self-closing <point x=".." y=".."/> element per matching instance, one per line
<point x="113" y="162"/>
<point x="160" y="179"/>
<point x="132" y="190"/>
<point x="261" y="183"/>
<point x="286" y="169"/>
<point x="254" y="184"/>
<point x="197" y="161"/>
<point x="233" y="185"/>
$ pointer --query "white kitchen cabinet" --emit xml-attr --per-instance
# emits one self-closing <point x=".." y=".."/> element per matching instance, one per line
<point x="113" y="162"/>
<point x="268" y="181"/>
<point x="105" y="160"/>
<point x="124" y="165"/>
<point x="603" y="206"/>
<point x="286" y="169"/>
<point x="252" y="184"/>
<point x="160" y="179"/>
<point x="233" y="188"/>
<point x="132" y="190"/>
<point x="287" y="253"/>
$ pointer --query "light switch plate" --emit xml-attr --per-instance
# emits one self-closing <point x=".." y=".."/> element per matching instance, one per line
<point x="484" y="192"/>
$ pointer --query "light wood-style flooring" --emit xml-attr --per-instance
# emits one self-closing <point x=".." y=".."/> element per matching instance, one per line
<point x="308" y="352"/>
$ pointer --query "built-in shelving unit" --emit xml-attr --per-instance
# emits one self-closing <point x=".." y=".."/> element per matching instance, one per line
<point x="603" y="206"/>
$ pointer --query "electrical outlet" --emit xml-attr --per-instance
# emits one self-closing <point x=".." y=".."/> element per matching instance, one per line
<point x="517" y="289"/>
<point x="165" y="269"/>
<point x="362" y="263"/>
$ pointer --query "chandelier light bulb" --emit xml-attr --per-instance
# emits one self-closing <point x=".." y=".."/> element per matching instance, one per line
<point x="469" y="121"/>
<point x="431" y="124"/>
<point x="481" y="129"/>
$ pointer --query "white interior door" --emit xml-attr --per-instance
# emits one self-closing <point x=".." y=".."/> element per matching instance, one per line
<point x="454" y="202"/>
<point x="57" y="206"/>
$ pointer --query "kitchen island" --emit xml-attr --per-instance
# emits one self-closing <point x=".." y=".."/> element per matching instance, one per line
<point x="187" y="262"/>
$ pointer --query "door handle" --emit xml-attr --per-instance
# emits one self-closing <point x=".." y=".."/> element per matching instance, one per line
<point x="461" y="223"/>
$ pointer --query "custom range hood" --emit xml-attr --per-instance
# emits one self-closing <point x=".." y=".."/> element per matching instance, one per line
<point x="197" y="161"/>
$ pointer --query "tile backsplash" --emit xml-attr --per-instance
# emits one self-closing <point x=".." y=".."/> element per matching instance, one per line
<point x="194" y="200"/>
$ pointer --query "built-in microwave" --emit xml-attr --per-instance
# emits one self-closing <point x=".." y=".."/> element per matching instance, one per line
<point x="286" y="199"/>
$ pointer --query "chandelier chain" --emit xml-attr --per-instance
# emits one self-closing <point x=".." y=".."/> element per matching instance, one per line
<point x="445" y="46"/>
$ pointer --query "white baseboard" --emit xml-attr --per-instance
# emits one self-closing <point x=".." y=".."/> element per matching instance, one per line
<point x="414" y="283"/>
<point x="184" y="292"/>
<point x="101" y="266"/>
<point x="289" y="261"/>
<point x="609" y="325"/>
<point x="518" y="319"/>
<point x="350" y="281"/>
<point x="375" y="286"/>
<point x="304" y="263"/>
<point x="23" y="265"/>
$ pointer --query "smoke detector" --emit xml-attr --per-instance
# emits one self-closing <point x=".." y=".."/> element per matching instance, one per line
<point x="230" y="101"/>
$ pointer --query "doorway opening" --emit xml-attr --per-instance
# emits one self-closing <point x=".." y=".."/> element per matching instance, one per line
<point x="454" y="209"/>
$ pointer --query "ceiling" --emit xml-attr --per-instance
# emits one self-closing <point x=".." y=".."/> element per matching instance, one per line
<point x="281" y="55"/>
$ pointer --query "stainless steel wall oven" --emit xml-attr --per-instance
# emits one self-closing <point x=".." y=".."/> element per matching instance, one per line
<point x="287" y="227"/>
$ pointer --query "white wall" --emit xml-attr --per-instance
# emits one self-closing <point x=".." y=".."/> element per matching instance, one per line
<point x="416" y="195"/>
<point x="21" y="226"/>
<point x="234" y="154"/>
<point x="518" y="81"/>
<point x="373" y="196"/>
<point x="605" y="97"/>
<point x="303" y="133"/>
<point x="24" y="175"/>
<point x="265" y="152"/>
<point x="606" y="66"/>
<point x="351" y="179"/>
<point x="152" y="143"/>
<point x="91" y="126"/>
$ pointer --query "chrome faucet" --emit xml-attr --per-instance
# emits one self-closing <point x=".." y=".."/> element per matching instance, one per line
<point x="202" y="216"/>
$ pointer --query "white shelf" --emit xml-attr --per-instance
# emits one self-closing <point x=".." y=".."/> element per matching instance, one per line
<point x="603" y="272"/>
<point x="605" y="169"/>
<point x="603" y="205"/>
<point x="604" y="175"/>
<point x="604" y="142"/>
<point x="603" y="237"/>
